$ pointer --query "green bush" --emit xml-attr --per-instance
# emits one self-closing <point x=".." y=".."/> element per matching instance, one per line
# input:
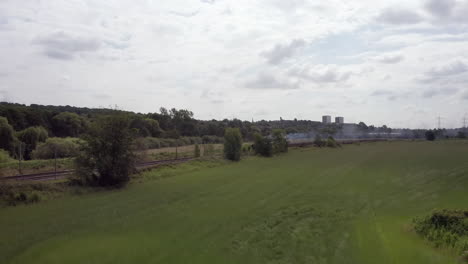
<point x="262" y="145"/>
<point x="212" y="140"/>
<point x="232" y="144"/>
<point x="4" y="156"/>
<point x="331" y="143"/>
<point x="31" y="136"/>
<point x="430" y="135"/>
<point x="445" y="228"/>
<point x="63" y="147"/>
<point x="7" y="136"/>
<point x="319" y="142"/>
<point x="280" y="144"/>
<point x="107" y="157"/>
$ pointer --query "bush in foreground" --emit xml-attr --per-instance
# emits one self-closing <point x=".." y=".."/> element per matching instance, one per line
<point x="107" y="157"/>
<point x="445" y="228"/>
<point x="232" y="144"/>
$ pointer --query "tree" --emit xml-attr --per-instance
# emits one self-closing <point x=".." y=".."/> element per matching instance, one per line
<point x="430" y="135"/>
<point x="68" y="124"/>
<point x="7" y="136"/>
<point x="146" y="127"/>
<point x="280" y="144"/>
<point x="232" y="144"/>
<point x="31" y="136"/>
<point x="262" y="145"/>
<point x="107" y="157"/>
<point x="461" y="134"/>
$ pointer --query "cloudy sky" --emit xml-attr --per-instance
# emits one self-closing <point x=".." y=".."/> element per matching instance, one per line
<point x="400" y="63"/>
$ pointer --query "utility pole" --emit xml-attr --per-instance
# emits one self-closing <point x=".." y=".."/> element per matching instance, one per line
<point x="438" y="124"/>
<point x="464" y="123"/>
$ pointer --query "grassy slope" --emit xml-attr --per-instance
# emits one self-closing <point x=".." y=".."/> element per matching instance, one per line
<point x="350" y="205"/>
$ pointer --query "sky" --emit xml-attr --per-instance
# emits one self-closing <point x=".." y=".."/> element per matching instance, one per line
<point x="399" y="63"/>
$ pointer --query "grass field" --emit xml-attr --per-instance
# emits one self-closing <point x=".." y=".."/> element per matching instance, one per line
<point x="349" y="205"/>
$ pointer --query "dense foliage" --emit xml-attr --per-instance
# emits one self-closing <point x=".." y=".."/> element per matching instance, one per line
<point x="430" y="135"/>
<point x="31" y="136"/>
<point x="445" y="228"/>
<point x="232" y="144"/>
<point x="107" y="157"/>
<point x="57" y="148"/>
<point x="262" y="145"/>
<point x="280" y="144"/>
<point x="7" y="136"/>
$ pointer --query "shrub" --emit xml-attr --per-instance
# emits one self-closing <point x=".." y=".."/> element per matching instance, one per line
<point x="247" y="149"/>
<point x="461" y="135"/>
<point x="280" y="144"/>
<point x="107" y="157"/>
<point x="445" y="228"/>
<point x="31" y="136"/>
<point x="430" y="135"/>
<point x="63" y="147"/>
<point x="212" y="140"/>
<point x="262" y="145"/>
<point x="319" y="142"/>
<point x="7" y="136"/>
<point x="232" y="144"/>
<point x="4" y="156"/>
<point x="331" y="143"/>
<point x="152" y="143"/>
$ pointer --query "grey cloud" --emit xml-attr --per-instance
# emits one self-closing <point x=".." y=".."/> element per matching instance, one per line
<point x="61" y="45"/>
<point x="465" y="95"/>
<point x="398" y="16"/>
<point x="440" y="91"/>
<point x="269" y="81"/>
<point x="390" y="59"/>
<point x="453" y="68"/>
<point x="440" y="8"/>
<point x="281" y="52"/>
<point x="448" y="11"/>
<point x="208" y="1"/>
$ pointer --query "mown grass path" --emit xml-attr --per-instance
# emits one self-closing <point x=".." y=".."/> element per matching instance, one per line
<point x="350" y="205"/>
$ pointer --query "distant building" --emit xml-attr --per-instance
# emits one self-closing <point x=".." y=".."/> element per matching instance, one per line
<point x="339" y="120"/>
<point x="326" y="119"/>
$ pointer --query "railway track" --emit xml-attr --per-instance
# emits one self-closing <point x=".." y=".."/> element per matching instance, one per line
<point x="62" y="174"/>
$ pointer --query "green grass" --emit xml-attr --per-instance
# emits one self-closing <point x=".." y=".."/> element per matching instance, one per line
<point x="349" y="205"/>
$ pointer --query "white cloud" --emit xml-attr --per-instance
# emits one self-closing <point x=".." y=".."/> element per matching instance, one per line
<point x="144" y="54"/>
